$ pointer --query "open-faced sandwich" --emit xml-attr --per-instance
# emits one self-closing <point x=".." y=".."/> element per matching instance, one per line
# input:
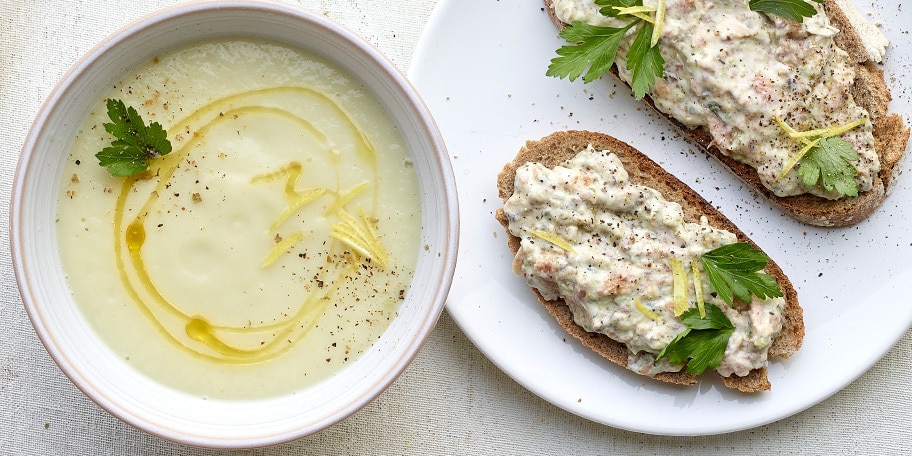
<point x="640" y="268"/>
<point x="786" y="93"/>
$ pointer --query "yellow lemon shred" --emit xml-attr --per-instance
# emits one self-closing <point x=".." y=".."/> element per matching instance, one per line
<point x="679" y="285"/>
<point x="360" y="236"/>
<point x="554" y="240"/>
<point x="810" y="139"/>
<point x="344" y="199"/>
<point x="659" y="22"/>
<point x="281" y="247"/>
<point x="649" y="313"/>
<point x="641" y="12"/>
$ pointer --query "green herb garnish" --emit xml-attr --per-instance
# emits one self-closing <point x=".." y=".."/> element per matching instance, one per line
<point x="830" y="165"/>
<point x="595" y="47"/>
<point x="135" y="144"/>
<point x="645" y="61"/>
<point x="592" y="50"/>
<point x="734" y="271"/>
<point x="795" y="10"/>
<point x="733" y="274"/>
<point x="826" y="159"/>
<point x="702" y="345"/>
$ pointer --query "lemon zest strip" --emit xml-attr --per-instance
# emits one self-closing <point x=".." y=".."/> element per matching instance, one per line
<point x="658" y="24"/>
<point x="679" y="285"/>
<point x="280" y="248"/>
<point x="554" y="240"/>
<point x="817" y="135"/>
<point x="360" y="236"/>
<point x="645" y="310"/>
<point x="344" y="199"/>
<point x="641" y="12"/>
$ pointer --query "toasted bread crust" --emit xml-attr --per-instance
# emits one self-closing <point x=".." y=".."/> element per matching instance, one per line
<point x="891" y="138"/>
<point x="561" y="146"/>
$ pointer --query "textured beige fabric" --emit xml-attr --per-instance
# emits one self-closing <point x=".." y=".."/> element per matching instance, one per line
<point x="451" y="400"/>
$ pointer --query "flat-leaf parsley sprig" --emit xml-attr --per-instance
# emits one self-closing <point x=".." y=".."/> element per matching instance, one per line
<point x="592" y="50"/>
<point x="735" y="272"/>
<point x="595" y="47"/>
<point x="702" y="345"/>
<point x="826" y="159"/>
<point x="135" y="143"/>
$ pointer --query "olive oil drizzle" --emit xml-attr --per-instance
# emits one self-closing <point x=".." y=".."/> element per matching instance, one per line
<point x="200" y="336"/>
<point x="296" y="199"/>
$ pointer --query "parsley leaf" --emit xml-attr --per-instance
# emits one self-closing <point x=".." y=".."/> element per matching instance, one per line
<point x="830" y="164"/>
<point x="830" y="157"/>
<point x="733" y="272"/>
<point x="135" y="144"/>
<point x="596" y="49"/>
<point x="795" y="10"/>
<point x="702" y="345"/>
<point x="593" y="49"/>
<point x="645" y="61"/>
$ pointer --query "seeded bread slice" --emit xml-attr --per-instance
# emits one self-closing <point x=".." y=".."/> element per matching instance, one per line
<point x="891" y="134"/>
<point x="561" y="146"/>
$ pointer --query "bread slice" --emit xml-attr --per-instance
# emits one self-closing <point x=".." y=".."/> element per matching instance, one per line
<point x="561" y="146"/>
<point x="870" y="91"/>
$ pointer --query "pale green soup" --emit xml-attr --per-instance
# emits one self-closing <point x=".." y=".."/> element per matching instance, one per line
<point x="269" y="249"/>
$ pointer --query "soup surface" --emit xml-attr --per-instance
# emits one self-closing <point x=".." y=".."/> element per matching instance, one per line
<point x="270" y="248"/>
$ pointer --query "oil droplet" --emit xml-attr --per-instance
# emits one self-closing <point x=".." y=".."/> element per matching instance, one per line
<point x="136" y="235"/>
<point x="199" y="330"/>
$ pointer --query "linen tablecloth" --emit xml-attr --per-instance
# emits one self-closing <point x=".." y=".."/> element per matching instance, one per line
<point x="451" y="400"/>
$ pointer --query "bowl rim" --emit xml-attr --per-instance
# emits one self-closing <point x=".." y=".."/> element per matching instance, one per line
<point x="28" y="160"/>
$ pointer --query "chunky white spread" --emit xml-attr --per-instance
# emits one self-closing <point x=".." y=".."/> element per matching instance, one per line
<point x="622" y="237"/>
<point x="733" y="70"/>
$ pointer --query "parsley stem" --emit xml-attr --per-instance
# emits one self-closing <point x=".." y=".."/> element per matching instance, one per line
<point x="698" y="287"/>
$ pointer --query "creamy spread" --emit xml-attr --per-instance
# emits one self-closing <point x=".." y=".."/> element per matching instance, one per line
<point x="733" y="70"/>
<point x="620" y="237"/>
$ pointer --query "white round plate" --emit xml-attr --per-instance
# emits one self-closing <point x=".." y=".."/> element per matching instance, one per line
<point x="480" y="66"/>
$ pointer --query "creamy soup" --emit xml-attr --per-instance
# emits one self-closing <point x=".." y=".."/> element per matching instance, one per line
<point x="270" y="248"/>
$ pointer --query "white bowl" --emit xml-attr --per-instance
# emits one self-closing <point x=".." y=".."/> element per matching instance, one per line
<point x="78" y="350"/>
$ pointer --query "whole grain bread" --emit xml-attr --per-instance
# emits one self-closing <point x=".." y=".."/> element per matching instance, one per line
<point x="870" y="91"/>
<point x="561" y="146"/>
